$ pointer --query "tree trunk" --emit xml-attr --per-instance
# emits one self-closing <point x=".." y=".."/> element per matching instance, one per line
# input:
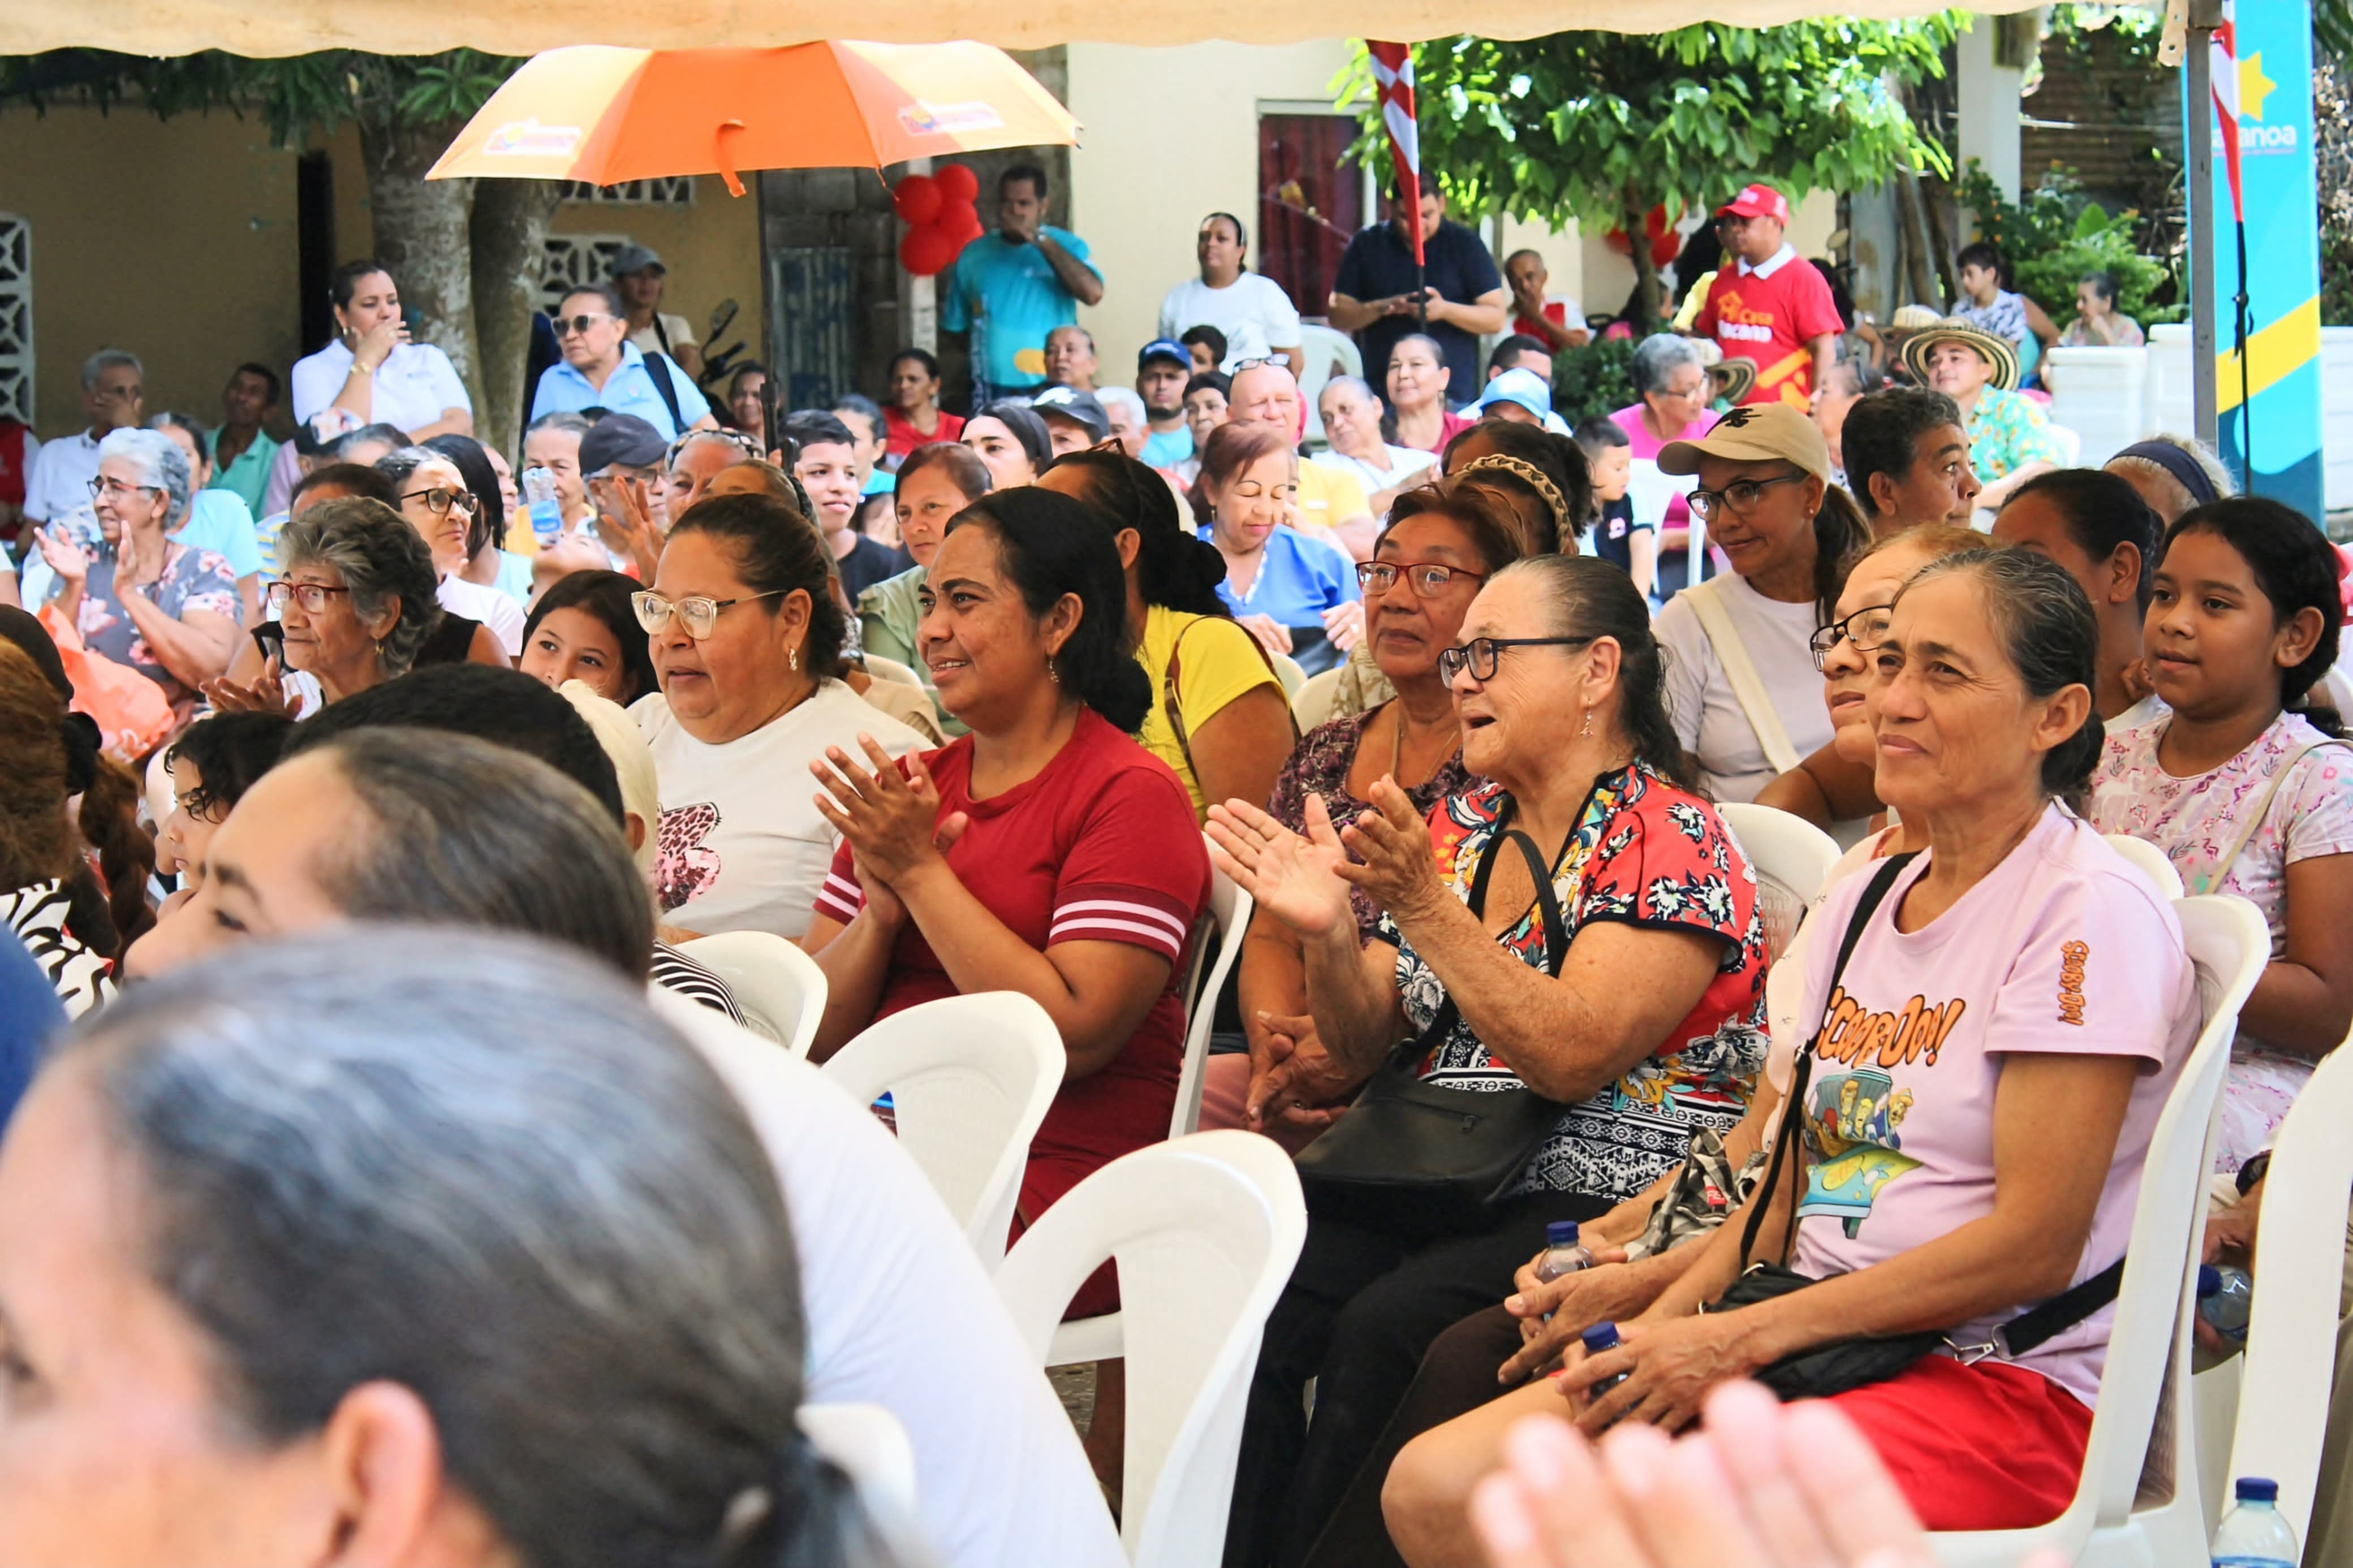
<point x="1910" y="205"/>
<point x="1939" y="247"/>
<point x="1632" y="217"/>
<point x="509" y="248"/>
<point x="421" y="237"/>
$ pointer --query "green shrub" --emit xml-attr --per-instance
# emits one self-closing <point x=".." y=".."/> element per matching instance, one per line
<point x="2055" y="236"/>
<point x="1597" y="379"/>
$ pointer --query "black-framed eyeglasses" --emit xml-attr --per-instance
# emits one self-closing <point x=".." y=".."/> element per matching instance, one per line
<point x="1480" y="655"/>
<point x="1428" y="579"/>
<point x="698" y="613"/>
<point x="1867" y="628"/>
<point x="569" y="326"/>
<point x="441" y="497"/>
<point x="103" y="486"/>
<point x="311" y="596"/>
<point x="1740" y="496"/>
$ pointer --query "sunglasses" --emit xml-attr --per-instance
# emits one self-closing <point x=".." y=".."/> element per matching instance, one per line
<point x="570" y="326"/>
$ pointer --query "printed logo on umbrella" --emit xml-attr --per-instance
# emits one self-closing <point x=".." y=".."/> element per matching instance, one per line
<point x="922" y="117"/>
<point x="530" y="139"/>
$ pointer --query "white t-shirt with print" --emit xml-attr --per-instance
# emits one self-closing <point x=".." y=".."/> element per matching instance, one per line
<point x="1707" y="715"/>
<point x="2064" y="948"/>
<point x="742" y="847"/>
<point x="1253" y="312"/>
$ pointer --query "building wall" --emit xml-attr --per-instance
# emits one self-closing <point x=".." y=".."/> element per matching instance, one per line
<point x="174" y="240"/>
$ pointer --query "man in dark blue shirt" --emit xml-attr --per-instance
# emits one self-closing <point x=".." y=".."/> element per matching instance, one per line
<point x="1372" y="294"/>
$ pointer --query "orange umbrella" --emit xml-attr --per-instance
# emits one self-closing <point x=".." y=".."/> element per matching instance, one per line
<point x="605" y="115"/>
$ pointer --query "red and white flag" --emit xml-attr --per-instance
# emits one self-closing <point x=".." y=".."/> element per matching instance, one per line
<point x="1393" y="72"/>
<point x="2223" y="71"/>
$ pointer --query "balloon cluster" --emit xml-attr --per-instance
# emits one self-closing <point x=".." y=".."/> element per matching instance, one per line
<point x="940" y="216"/>
<point x="1666" y="244"/>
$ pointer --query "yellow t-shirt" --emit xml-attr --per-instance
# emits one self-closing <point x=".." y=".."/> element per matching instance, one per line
<point x="1327" y="498"/>
<point x="1221" y="663"/>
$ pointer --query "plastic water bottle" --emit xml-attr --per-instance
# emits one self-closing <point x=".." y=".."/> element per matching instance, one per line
<point x="1564" y="1253"/>
<point x="2225" y="1296"/>
<point x="539" y="499"/>
<point x="1604" y="1337"/>
<point x="2252" y="1534"/>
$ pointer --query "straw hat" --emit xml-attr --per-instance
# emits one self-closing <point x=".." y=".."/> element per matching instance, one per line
<point x="1996" y="351"/>
<point x="1913" y="318"/>
<point x="1757" y="433"/>
<point x="1734" y="378"/>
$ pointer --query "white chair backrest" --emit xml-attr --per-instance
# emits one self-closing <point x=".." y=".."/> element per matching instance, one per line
<point x="882" y="668"/>
<point x="1312" y="704"/>
<point x="1288" y="671"/>
<point x="970" y="1077"/>
<point x="2283" y="1401"/>
<point x="1206" y="1230"/>
<point x="871" y="1446"/>
<point x="2148" y="860"/>
<point x="1791" y="856"/>
<point x="1229" y="917"/>
<point x="1324" y="350"/>
<point x="780" y="988"/>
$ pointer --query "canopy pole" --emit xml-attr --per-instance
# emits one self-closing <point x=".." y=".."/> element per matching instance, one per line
<point x="2197" y="62"/>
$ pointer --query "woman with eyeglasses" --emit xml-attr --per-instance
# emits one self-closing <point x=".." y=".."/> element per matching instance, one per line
<point x="168" y="610"/>
<point x="747" y="638"/>
<point x="1439" y="548"/>
<point x="372" y="371"/>
<point x="1741" y="684"/>
<point x="700" y="456"/>
<point x="1625" y="992"/>
<point x="1296" y="595"/>
<point x="435" y="499"/>
<point x="500" y="542"/>
<point x="1671" y="404"/>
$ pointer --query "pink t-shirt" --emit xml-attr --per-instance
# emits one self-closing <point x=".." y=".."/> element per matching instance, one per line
<point x="2064" y="948"/>
<point x="1646" y="446"/>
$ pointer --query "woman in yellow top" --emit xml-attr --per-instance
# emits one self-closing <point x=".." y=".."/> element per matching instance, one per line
<point x="1219" y="717"/>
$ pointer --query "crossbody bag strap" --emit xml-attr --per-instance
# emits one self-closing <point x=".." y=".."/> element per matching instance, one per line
<point x="1748" y="686"/>
<point x="1793" y="1109"/>
<point x="2063" y="1311"/>
<point x="658" y="367"/>
<point x="1442" y="1024"/>
<point x="2251" y="823"/>
<point x="1170" y="705"/>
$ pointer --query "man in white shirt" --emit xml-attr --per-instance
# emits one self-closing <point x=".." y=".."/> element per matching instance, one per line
<point x="640" y="276"/>
<point x="114" y="396"/>
<point x="1258" y="318"/>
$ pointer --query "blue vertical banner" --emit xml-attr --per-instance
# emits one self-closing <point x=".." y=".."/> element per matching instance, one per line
<point x="2270" y="80"/>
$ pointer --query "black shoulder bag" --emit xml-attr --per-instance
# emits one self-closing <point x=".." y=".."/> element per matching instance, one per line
<point x="1417" y="1160"/>
<point x="1823" y="1369"/>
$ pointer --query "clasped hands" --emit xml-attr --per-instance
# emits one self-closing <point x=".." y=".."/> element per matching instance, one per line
<point x="891" y="820"/>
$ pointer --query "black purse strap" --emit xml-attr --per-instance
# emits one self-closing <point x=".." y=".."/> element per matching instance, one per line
<point x="1801" y="1074"/>
<point x="1555" y="927"/>
<point x="2063" y="1311"/>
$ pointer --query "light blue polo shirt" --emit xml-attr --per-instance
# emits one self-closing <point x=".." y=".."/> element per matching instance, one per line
<point x="629" y="390"/>
<point x="1166" y="448"/>
<point x="1008" y="298"/>
<point x="1297" y="580"/>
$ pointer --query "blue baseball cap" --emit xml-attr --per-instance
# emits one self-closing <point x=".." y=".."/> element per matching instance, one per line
<point x="1524" y="387"/>
<point x="1167" y="349"/>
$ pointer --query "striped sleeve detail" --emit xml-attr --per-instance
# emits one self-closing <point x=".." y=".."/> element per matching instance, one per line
<point x="840" y="898"/>
<point x="1141" y="917"/>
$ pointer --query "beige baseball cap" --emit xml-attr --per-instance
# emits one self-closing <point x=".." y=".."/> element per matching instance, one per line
<point x="1753" y="433"/>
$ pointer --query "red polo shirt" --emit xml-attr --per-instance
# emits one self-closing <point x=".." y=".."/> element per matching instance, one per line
<point x="1768" y="314"/>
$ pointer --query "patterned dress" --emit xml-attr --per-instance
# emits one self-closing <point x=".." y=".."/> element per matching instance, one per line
<point x="1649" y="854"/>
<point x="81" y="977"/>
<point x="192" y="580"/>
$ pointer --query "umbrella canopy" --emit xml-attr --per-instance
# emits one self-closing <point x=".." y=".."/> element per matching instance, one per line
<point x="526" y="27"/>
<point x="605" y="115"/>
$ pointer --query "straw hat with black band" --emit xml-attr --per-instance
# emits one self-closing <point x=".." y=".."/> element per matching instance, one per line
<point x="1734" y="378"/>
<point x="1998" y="352"/>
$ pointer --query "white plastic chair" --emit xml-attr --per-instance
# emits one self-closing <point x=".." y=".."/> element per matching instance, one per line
<point x="2141" y="1442"/>
<point x="1312" y="704"/>
<point x="1287" y="671"/>
<point x="872" y="1447"/>
<point x="882" y="668"/>
<point x="970" y="1077"/>
<point x="780" y="988"/>
<point x="2070" y="444"/>
<point x="2283" y="1387"/>
<point x="1206" y="1230"/>
<point x="1229" y="917"/>
<point x="1792" y="857"/>
<point x="2148" y="860"/>
<point x="1322" y="348"/>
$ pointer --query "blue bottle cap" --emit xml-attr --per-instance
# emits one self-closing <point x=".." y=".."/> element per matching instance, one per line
<point x="2257" y="1489"/>
<point x="1604" y="1336"/>
<point x="1561" y="1232"/>
<point x="2210" y="1280"/>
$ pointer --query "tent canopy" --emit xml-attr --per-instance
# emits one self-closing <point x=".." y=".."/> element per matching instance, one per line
<point x="527" y="26"/>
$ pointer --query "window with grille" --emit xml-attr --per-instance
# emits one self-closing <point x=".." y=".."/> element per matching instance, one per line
<point x="671" y="190"/>
<point x="16" y="317"/>
<point x="574" y="261"/>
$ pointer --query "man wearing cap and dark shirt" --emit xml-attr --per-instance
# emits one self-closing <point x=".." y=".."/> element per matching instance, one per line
<point x="1074" y="420"/>
<point x="1372" y="293"/>
<point x="1161" y="372"/>
<point x="1768" y="306"/>
<point x="640" y="275"/>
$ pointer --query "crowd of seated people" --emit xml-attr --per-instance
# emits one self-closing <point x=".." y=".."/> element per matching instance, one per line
<point x="1000" y="745"/>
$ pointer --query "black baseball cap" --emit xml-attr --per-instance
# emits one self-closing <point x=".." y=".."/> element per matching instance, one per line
<point x="621" y="438"/>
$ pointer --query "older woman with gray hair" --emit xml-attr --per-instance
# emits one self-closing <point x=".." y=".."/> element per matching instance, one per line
<point x="245" y="1346"/>
<point x="1671" y="404"/>
<point x="136" y="595"/>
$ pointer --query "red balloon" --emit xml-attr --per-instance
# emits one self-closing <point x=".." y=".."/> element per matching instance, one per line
<point x="918" y="199"/>
<point x="960" y="221"/>
<point x="926" y="252"/>
<point x="958" y="183"/>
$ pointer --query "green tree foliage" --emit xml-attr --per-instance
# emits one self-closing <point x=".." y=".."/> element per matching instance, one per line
<point x="1602" y="127"/>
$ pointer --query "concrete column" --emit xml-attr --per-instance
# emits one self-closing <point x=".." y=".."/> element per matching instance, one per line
<point x="1986" y="91"/>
